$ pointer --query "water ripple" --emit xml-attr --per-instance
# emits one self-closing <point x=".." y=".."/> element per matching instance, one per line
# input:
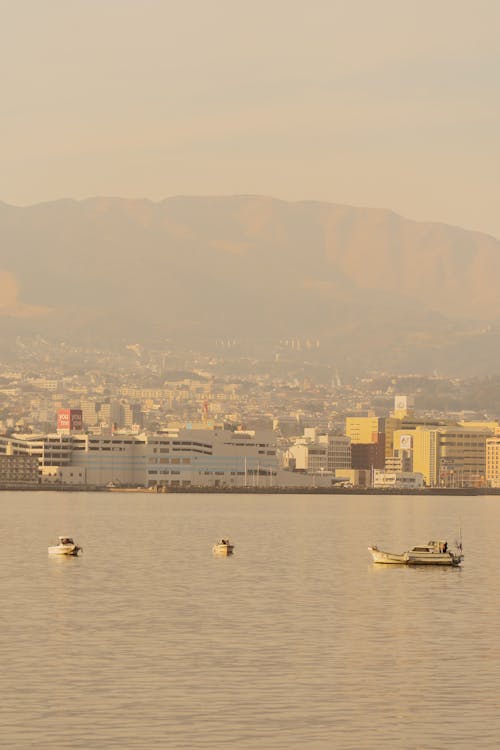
<point x="149" y="641"/>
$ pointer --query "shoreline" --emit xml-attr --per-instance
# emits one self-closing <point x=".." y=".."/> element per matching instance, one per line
<point x="426" y="491"/>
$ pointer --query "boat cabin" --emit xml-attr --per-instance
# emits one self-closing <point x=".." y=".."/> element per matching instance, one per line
<point x="65" y="540"/>
<point x="440" y="545"/>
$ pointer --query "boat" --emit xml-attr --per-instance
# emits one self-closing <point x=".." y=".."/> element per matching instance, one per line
<point x="435" y="552"/>
<point x="224" y="547"/>
<point x="66" y="546"/>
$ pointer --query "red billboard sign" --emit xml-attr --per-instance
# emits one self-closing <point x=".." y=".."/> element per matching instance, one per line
<point x="69" y="420"/>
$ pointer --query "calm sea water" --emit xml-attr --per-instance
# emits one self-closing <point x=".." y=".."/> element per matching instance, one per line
<point x="148" y="641"/>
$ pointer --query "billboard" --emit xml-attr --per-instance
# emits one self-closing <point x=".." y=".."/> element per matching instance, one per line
<point x="69" y="420"/>
<point x="405" y="442"/>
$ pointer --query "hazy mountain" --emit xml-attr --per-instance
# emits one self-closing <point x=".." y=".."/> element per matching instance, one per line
<point x="375" y="286"/>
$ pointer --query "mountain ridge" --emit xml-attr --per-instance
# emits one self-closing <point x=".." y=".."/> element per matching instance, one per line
<point x="303" y="201"/>
<point x="252" y="266"/>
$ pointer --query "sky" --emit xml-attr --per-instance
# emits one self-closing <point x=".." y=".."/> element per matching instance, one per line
<point x="383" y="103"/>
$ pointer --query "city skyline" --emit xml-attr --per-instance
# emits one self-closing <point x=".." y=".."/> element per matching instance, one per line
<point x="302" y="424"/>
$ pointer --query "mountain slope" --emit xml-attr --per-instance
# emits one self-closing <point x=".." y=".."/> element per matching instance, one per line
<point x="242" y="265"/>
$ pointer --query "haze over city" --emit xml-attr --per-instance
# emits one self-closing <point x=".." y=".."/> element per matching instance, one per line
<point x="321" y="150"/>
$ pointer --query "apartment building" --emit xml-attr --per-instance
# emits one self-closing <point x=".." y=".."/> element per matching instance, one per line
<point x="313" y="453"/>
<point x="20" y="469"/>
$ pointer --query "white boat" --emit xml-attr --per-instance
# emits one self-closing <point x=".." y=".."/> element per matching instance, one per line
<point x="224" y="547"/>
<point x="66" y="546"/>
<point x="432" y="553"/>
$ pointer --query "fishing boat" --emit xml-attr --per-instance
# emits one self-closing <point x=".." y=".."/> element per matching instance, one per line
<point x="224" y="547"/>
<point x="66" y="546"/>
<point x="435" y="552"/>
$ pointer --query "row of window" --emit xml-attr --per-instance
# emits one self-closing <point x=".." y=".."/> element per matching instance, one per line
<point x="164" y="471"/>
<point x="169" y="460"/>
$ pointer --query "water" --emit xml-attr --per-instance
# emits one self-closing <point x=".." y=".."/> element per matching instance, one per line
<point x="148" y="641"/>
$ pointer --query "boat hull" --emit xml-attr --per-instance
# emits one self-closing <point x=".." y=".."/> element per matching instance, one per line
<point x="435" y="558"/>
<point x="387" y="558"/>
<point x="223" y="549"/>
<point x="65" y="549"/>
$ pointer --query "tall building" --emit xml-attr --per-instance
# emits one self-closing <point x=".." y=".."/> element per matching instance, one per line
<point x="448" y="455"/>
<point x="368" y="455"/>
<point x="109" y="413"/>
<point x="493" y="461"/>
<point x="371" y="439"/>
<point x="89" y="412"/>
<point x="403" y="407"/>
<point x="364" y="429"/>
<point x="425" y="449"/>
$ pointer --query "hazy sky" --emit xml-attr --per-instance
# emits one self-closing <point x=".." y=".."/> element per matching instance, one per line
<point x="388" y="103"/>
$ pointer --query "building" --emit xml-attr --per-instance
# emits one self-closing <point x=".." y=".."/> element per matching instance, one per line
<point x="354" y="478"/>
<point x="403" y="407"/>
<point x="446" y="455"/>
<point x="462" y="457"/>
<point x="313" y="453"/>
<point x="368" y="441"/>
<point x="89" y="412"/>
<point x="21" y="469"/>
<point x="368" y="455"/>
<point x="425" y="452"/>
<point x="178" y="458"/>
<point x="493" y="461"/>
<point x="364" y="429"/>
<point x="109" y="414"/>
<point x="287" y="426"/>
<point x="401" y="460"/>
<point x="59" y="475"/>
<point x="212" y="458"/>
<point x="407" y="480"/>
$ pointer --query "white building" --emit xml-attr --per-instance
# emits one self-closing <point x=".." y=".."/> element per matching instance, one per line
<point x="177" y="458"/>
<point x="409" y="480"/>
<point x="213" y="458"/>
<point x="313" y="453"/>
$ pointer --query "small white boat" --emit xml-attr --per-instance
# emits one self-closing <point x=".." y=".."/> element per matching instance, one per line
<point x="224" y="547"/>
<point x="66" y="546"/>
<point x="432" y="553"/>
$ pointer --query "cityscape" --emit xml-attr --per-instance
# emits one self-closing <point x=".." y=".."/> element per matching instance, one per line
<point x="176" y="420"/>
<point x="250" y="375"/>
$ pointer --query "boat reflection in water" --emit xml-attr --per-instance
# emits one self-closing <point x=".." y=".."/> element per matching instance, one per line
<point x="432" y="553"/>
